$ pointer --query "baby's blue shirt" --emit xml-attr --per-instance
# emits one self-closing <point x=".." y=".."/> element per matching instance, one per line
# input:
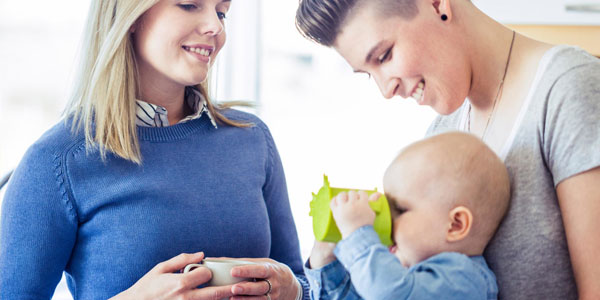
<point x="365" y="269"/>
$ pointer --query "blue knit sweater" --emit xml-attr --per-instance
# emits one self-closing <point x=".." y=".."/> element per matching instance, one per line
<point x="106" y="224"/>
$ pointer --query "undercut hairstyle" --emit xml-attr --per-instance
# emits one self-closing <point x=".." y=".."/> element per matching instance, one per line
<point x="322" y="20"/>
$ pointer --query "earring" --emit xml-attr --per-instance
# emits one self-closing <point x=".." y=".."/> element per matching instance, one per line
<point x="444" y="17"/>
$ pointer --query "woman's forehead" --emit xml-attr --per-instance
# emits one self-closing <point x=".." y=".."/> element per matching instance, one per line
<point x="361" y="34"/>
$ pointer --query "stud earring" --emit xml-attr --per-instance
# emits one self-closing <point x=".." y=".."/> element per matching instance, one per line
<point x="444" y="17"/>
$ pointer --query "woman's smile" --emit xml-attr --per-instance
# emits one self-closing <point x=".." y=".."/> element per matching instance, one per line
<point x="200" y="52"/>
<point x="418" y="92"/>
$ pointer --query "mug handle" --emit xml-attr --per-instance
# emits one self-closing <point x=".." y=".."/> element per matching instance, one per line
<point x="190" y="267"/>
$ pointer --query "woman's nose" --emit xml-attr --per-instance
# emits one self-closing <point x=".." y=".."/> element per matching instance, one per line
<point x="211" y="25"/>
<point x="387" y="86"/>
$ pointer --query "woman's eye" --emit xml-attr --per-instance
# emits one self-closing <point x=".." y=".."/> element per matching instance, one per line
<point x="187" y="7"/>
<point x="384" y="56"/>
<point x="221" y="15"/>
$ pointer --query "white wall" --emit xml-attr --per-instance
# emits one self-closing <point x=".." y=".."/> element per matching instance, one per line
<point x="38" y="41"/>
<point x="542" y="12"/>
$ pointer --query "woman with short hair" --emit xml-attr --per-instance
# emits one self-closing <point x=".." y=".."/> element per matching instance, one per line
<point x="536" y="105"/>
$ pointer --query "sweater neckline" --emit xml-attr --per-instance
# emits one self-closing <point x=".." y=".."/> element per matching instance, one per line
<point x="175" y="132"/>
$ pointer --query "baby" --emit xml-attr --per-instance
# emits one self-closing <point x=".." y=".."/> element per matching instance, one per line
<point x="447" y="194"/>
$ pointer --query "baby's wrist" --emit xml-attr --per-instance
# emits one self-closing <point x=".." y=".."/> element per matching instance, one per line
<point x="350" y="229"/>
<point x="319" y="261"/>
<point x="321" y="254"/>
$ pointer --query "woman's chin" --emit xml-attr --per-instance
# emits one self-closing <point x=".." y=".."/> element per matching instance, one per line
<point x="193" y="80"/>
<point x="192" y="75"/>
<point x="444" y="108"/>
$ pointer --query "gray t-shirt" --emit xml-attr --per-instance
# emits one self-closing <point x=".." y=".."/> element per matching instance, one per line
<point x="557" y="136"/>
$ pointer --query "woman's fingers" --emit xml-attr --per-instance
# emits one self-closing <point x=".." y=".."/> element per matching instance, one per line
<point x="211" y="292"/>
<point x="252" y="271"/>
<point x="261" y="297"/>
<point x="260" y="287"/>
<point x="179" y="262"/>
<point x="282" y="280"/>
<point x="196" y="277"/>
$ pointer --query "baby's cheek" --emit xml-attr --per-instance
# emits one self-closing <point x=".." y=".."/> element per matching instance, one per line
<point x="395" y="228"/>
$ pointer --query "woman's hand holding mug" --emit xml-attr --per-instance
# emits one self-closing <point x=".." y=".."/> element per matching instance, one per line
<point x="163" y="283"/>
<point x="274" y="280"/>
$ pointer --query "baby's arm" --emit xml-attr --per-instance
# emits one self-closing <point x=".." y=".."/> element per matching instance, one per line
<point x="327" y="277"/>
<point x="352" y="211"/>
<point x="378" y="274"/>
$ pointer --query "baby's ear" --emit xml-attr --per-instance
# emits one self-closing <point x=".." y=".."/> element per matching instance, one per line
<point x="460" y="224"/>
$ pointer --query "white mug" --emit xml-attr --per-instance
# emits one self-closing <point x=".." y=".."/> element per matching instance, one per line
<point x="221" y="270"/>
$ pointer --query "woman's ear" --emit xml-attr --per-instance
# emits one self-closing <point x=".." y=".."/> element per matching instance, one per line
<point x="461" y="221"/>
<point x="443" y="9"/>
<point x="135" y="25"/>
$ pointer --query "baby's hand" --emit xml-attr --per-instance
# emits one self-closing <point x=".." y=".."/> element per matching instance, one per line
<point x="351" y="211"/>
<point x="321" y="254"/>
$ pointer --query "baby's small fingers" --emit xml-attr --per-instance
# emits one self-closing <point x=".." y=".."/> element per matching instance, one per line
<point x="342" y="197"/>
<point x="335" y="201"/>
<point x="375" y="196"/>
<point x="362" y="195"/>
<point x="352" y="196"/>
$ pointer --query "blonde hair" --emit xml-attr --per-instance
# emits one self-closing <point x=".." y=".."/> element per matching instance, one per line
<point x="105" y="88"/>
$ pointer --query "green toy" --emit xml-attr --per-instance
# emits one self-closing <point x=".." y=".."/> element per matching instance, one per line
<point x="324" y="226"/>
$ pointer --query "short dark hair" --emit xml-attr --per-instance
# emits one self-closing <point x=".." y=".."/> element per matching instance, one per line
<point x="321" y="20"/>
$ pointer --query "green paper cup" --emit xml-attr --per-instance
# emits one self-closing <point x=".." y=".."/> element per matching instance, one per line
<point x="324" y="226"/>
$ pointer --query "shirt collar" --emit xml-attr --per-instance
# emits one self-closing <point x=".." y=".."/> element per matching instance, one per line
<point x="151" y="115"/>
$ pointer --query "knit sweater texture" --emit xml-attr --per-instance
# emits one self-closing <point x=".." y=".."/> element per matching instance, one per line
<point x="107" y="223"/>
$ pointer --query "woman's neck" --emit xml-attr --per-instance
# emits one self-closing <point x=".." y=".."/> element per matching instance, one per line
<point x="489" y="56"/>
<point x="168" y="95"/>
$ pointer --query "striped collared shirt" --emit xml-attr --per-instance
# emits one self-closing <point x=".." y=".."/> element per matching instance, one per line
<point x="150" y="115"/>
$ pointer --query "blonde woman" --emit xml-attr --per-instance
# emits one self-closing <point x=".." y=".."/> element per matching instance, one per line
<point x="536" y="105"/>
<point x="145" y="168"/>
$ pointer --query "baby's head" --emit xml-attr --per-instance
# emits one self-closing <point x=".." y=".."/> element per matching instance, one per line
<point x="448" y="192"/>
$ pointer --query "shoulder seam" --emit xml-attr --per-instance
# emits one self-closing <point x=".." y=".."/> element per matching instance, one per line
<point x="62" y="178"/>
<point x="269" y="142"/>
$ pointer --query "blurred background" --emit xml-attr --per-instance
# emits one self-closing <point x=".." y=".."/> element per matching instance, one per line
<point x="324" y="118"/>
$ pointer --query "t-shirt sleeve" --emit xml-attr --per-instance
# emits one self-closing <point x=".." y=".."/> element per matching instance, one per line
<point x="572" y="126"/>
